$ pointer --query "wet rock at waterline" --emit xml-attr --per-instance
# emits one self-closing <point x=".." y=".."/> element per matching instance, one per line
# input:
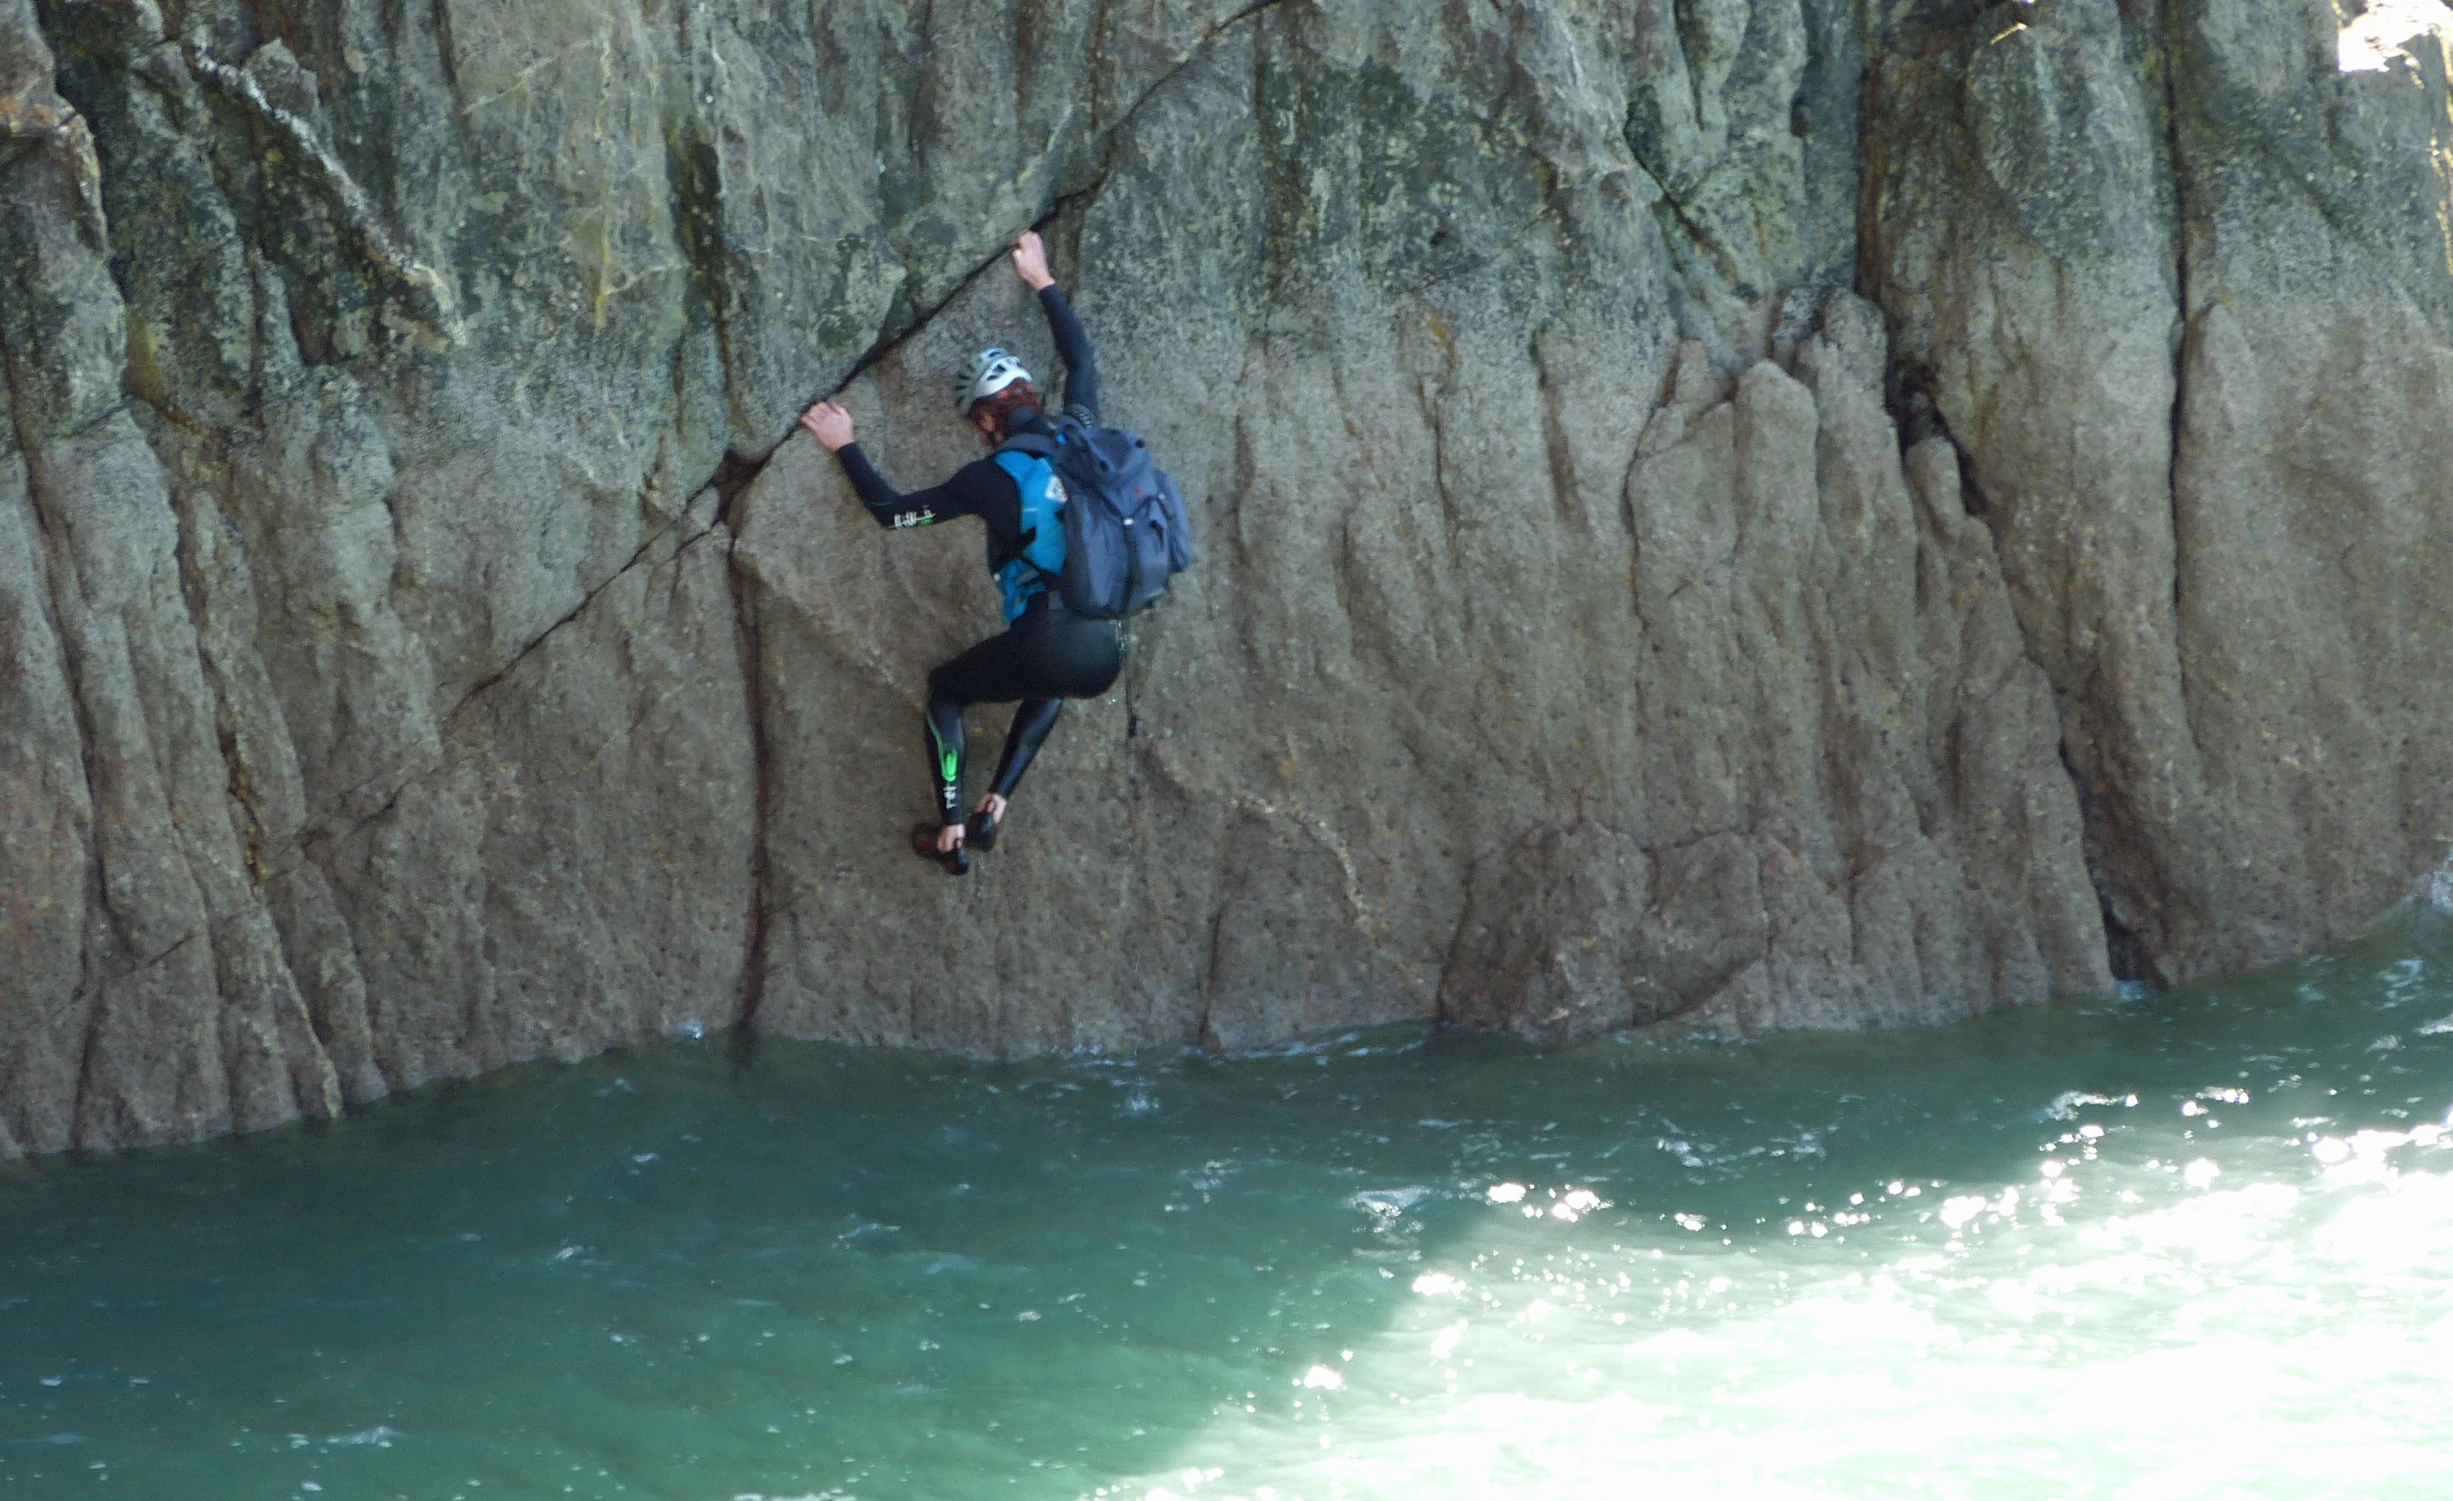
<point x="425" y="646"/>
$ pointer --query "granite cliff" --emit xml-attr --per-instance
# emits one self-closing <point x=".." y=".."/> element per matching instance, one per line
<point x="1756" y="512"/>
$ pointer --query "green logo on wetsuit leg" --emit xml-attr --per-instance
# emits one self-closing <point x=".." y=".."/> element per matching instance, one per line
<point x="949" y="759"/>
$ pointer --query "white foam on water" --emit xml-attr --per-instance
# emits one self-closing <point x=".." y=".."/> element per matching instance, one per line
<point x="2262" y="1329"/>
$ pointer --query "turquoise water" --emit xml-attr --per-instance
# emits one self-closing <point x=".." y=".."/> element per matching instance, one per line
<point x="2186" y="1245"/>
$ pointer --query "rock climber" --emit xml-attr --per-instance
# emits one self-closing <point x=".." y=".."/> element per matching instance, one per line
<point x="1046" y="654"/>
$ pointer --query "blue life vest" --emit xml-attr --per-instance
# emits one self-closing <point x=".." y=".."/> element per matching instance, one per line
<point x="1041" y="562"/>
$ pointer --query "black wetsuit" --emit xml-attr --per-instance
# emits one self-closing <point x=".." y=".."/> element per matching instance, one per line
<point x="1047" y="654"/>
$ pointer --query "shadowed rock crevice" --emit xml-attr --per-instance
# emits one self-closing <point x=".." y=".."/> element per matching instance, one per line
<point x="753" y="682"/>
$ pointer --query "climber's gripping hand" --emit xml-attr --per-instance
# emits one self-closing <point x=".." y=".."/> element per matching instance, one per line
<point x="830" y="424"/>
<point x="1031" y="261"/>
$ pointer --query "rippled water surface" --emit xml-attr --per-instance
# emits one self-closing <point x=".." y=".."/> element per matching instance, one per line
<point x="2188" y="1245"/>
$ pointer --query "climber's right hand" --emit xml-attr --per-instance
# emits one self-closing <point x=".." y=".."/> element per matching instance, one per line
<point x="1031" y="261"/>
<point x="830" y="424"/>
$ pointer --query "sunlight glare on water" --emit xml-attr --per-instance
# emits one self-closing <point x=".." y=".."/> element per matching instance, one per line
<point x="2174" y="1246"/>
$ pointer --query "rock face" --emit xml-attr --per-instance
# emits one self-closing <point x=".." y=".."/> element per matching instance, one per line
<point x="1763" y="514"/>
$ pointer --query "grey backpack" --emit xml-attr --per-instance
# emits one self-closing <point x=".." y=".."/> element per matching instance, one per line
<point x="1126" y="533"/>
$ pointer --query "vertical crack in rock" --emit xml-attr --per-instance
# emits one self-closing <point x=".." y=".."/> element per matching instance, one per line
<point x="762" y="886"/>
<point x="2125" y="953"/>
<point x="254" y="840"/>
<point x="446" y="51"/>
<point x="1911" y="382"/>
<point x="97" y="887"/>
<point x="2172" y="23"/>
<point x="1204" y="1034"/>
<point x="1557" y="449"/>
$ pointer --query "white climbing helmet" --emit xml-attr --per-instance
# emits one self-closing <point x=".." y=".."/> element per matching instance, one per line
<point x="990" y="371"/>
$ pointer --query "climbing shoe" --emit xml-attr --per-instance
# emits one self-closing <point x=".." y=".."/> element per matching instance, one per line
<point x="957" y="862"/>
<point x="979" y="831"/>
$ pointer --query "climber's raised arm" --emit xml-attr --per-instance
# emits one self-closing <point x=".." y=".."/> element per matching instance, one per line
<point x="1081" y="397"/>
